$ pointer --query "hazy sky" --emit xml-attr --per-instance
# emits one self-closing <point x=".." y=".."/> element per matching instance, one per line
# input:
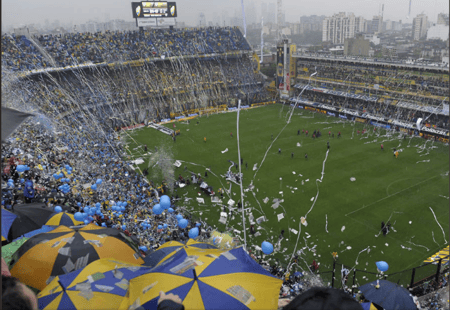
<point x="79" y="11"/>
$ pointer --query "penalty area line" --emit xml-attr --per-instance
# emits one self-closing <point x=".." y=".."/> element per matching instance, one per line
<point x="375" y="202"/>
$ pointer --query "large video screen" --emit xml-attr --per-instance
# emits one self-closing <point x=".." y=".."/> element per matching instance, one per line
<point x="154" y="9"/>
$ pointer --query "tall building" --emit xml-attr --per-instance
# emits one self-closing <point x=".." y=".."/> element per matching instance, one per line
<point x="442" y="19"/>
<point x="338" y="27"/>
<point x="360" y="24"/>
<point x="377" y="24"/>
<point x="419" y="28"/>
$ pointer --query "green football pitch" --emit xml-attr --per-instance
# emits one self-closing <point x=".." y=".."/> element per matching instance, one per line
<point x="342" y="216"/>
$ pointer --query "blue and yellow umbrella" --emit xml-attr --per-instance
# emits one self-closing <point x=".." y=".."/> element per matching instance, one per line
<point x="62" y="218"/>
<point x="7" y="220"/>
<point x="207" y="279"/>
<point x="63" y="250"/>
<point x="102" y="284"/>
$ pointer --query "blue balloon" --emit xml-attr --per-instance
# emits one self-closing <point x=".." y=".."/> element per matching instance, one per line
<point x="183" y="223"/>
<point x="85" y="215"/>
<point x="165" y="225"/>
<point x="78" y="216"/>
<point x="21" y="168"/>
<point x="382" y="266"/>
<point x="86" y="222"/>
<point x="157" y="209"/>
<point x="193" y="233"/>
<point x="58" y="209"/>
<point x="22" y="181"/>
<point x="143" y="248"/>
<point x="122" y="208"/>
<point x="165" y="202"/>
<point x="56" y="176"/>
<point x="170" y="210"/>
<point x="103" y="224"/>
<point x="124" y="203"/>
<point x="79" y="204"/>
<point x="198" y="224"/>
<point x="124" y="227"/>
<point x="267" y="247"/>
<point x="99" y="181"/>
<point x="160" y="227"/>
<point x="98" y="205"/>
<point x="179" y="217"/>
<point x="94" y="187"/>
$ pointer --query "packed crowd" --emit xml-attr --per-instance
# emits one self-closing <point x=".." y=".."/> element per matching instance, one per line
<point x="113" y="46"/>
<point x="380" y="109"/>
<point x="134" y="93"/>
<point x="388" y="78"/>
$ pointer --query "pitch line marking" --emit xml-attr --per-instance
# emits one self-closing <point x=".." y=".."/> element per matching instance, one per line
<point x="363" y="207"/>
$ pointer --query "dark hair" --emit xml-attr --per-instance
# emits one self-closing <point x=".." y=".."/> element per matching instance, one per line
<point x="318" y="298"/>
<point x="12" y="296"/>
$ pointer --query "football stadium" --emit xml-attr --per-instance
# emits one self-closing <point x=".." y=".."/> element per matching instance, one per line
<point x="158" y="169"/>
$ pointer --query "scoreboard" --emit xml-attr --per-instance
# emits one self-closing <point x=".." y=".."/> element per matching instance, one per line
<point x="154" y="9"/>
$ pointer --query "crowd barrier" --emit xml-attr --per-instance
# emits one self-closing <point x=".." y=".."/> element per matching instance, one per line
<point x="425" y="132"/>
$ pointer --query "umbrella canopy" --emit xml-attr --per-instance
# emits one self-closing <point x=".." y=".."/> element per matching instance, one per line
<point x="7" y="220"/>
<point x="388" y="295"/>
<point x="65" y="219"/>
<point x="11" y="119"/>
<point x="11" y="248"/>
<point x="370" y="306"/>
<point x="63" y="250"/>
<point x="102" y="284"/>
<point x="200" y="245"/>
<point x="29" y="217"/>
<point x="161" y="253"/>
<point x="207" y="279"/>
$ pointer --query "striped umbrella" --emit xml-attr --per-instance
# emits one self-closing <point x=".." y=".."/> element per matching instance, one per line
<point x="207" y="279"/>
<point x="7" y="220"/>
<point x="102" y="284"/>
<point x="63" y="250"/>
<point x="162" y="252"/>
<point x="62" y="218"/>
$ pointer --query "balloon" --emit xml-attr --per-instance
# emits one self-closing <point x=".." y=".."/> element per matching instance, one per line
<point x="124" y="203"/>
<point x="160" y="227"/>
<point x="94" y="187"/>
<point x="124" y="227"/>
<point x="267" y="247"/>
<point x="58" y="209"/>
<point x="143" y="248"/>
<point x="78" y="216"/>
<point x="193" y="233"/>
<point x="122" y="208"/>
<point x="198" y="224"/>
<point x="103" y="224"/>
<point x="183" y="223"/>
<point x="157" y="209"/>
<point x="56" y="176"/>
<point x="21" y="168"/>
<point x="165" y="202"/>
<point x="98" y="205"/>
<point x="99" y="181"/>
<point x="79" y="204"/>
<point x="165" y="225"/>
<point x="86" y="222"/>
<point x="170" y="210"/>
<point x="382" y="266"/>
<point x="179" y="217"/>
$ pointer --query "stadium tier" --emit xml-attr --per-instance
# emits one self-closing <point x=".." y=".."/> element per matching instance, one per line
<point x="73" y="161"/>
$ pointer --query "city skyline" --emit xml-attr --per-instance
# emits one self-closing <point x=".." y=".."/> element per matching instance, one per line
<point x="15" y="14"/>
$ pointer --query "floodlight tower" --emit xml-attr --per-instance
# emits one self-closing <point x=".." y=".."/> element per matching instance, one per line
<point x="279" y="17"/>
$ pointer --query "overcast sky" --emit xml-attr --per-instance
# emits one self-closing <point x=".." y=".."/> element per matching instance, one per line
<point x="79" y="11"/>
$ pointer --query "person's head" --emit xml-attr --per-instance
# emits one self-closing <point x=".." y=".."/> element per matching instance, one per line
<point x="318" y="298"/>
<point x="16" y="295"/>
